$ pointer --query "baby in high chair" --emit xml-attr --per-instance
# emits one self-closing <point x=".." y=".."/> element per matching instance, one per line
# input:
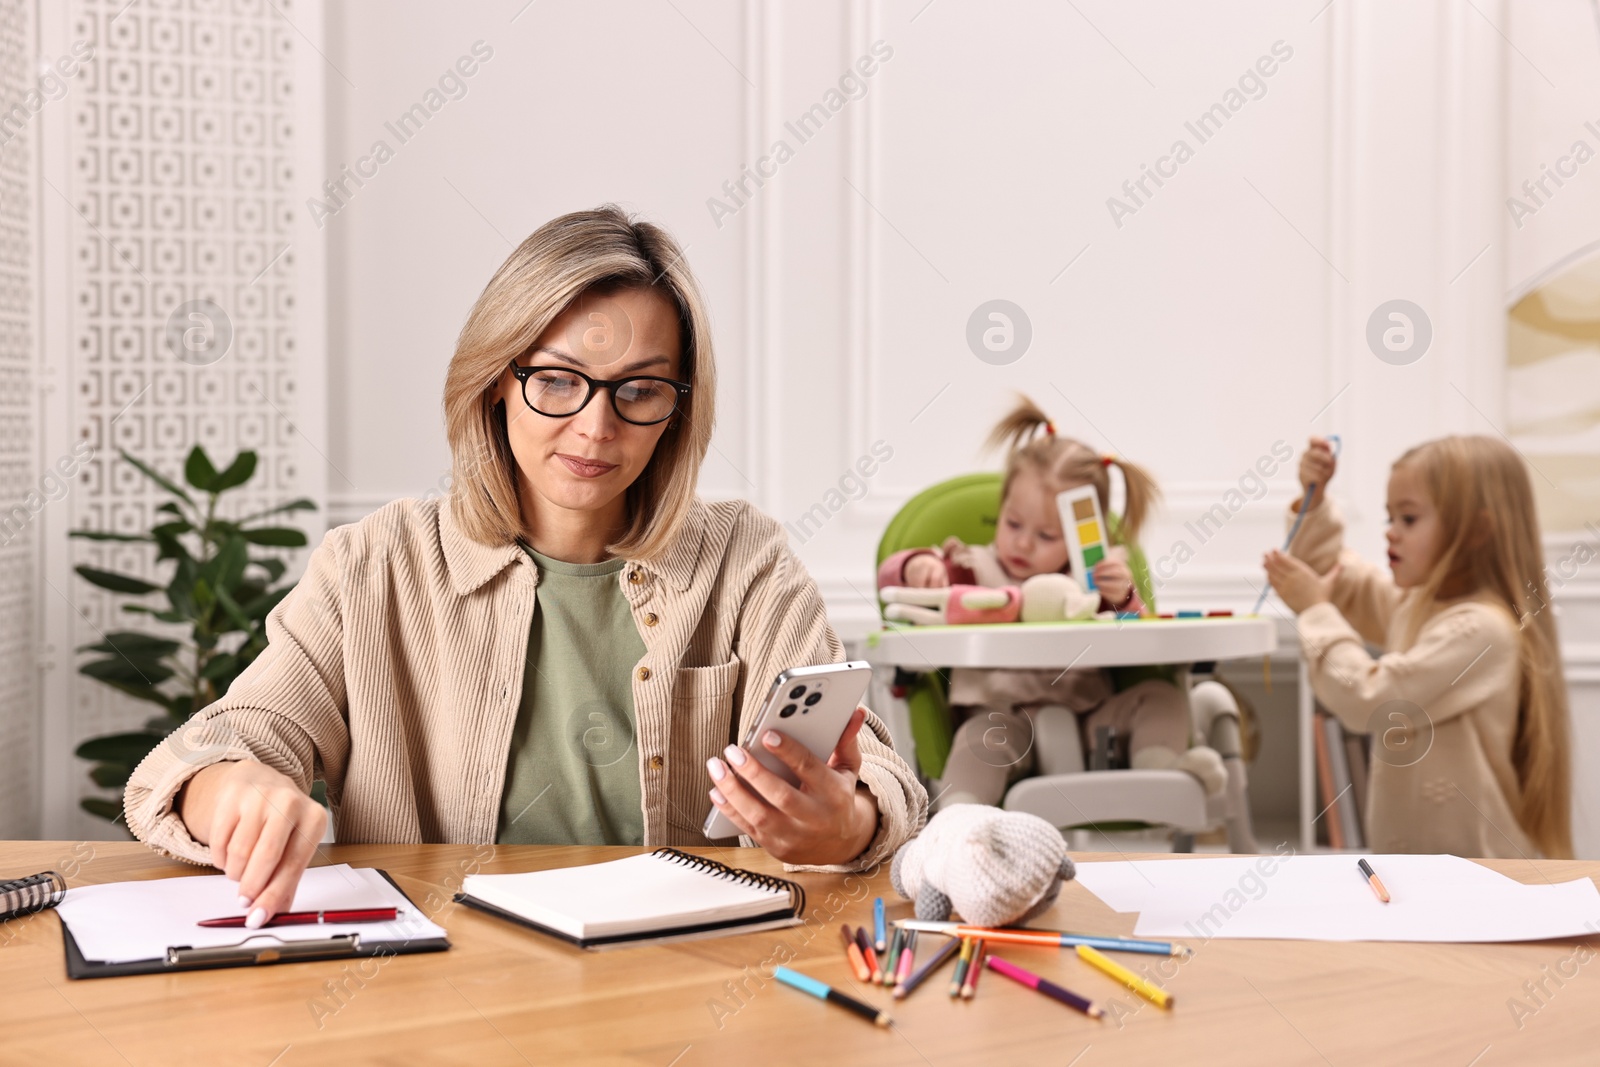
<point x="1016" y="723"/>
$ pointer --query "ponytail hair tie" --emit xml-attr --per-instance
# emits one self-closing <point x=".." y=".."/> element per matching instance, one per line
<point x="1107" y="459"/>
<point x="1049" y="428"/>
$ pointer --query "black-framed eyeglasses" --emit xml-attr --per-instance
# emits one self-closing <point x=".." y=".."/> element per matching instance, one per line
<point x="559" y="392"/>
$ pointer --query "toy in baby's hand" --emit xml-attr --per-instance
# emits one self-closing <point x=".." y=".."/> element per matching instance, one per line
<point x="992" y="867"/>
<point x="1042" y="598"/>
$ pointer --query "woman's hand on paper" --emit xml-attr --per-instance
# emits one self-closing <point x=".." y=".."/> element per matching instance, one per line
<point x="262" y="831"/>
<point x="825" y="819"/>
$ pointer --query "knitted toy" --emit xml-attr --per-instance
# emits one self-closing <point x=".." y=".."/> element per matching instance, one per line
<point x="993" y="867"/>
<point x="1042" y="598"/>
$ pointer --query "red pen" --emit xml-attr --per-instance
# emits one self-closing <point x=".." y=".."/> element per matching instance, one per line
<point x="302" y="918"/>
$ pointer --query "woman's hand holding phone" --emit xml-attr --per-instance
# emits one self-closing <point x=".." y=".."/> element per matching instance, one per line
<point x="825" y="819"/>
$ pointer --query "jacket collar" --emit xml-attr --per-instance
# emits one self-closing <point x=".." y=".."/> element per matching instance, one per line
<point x="472" y="563"/>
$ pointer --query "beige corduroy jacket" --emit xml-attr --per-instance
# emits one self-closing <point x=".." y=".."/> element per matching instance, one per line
<point x="394" y="672"/>
<point x="1441" y="709"/>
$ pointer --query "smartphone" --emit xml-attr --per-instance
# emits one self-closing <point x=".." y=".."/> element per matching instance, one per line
<point x="812" y="705"/>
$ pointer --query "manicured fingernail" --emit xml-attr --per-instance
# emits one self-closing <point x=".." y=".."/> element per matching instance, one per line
<point x="244" y="902"/>
<point x="736" y="755"/>
<point x="716" y="768"/>
<point x="716" y="797"/>
<point x="256" y="918"/>
<point x="771" y="739"/>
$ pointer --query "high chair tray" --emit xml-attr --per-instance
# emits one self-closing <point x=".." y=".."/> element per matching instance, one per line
<point x="1090" y="643"/>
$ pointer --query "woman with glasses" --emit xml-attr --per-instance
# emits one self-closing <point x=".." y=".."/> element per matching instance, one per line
<point x="562" y="651"/>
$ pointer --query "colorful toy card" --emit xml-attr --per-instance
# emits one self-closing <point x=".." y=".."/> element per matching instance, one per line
<point x="1088" y="541"/>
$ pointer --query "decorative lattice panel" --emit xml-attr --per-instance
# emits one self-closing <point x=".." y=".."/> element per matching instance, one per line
<point x="18" y="476"/>
<point x="180" y="143"/>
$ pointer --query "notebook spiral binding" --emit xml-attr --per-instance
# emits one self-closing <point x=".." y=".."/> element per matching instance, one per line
<point x="24" y="896"/>
<point x="797" y="893"/>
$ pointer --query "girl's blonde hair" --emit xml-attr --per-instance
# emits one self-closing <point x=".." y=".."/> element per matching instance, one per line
<point x="1031" y="442"/>
<point x="585" y="252"/>
<point x="1489" y="542"/>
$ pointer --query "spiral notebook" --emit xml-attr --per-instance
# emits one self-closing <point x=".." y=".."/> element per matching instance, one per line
<point x="665" y="895"/>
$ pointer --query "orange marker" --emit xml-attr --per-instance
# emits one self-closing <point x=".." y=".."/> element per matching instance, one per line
<point x="857" y="962"/>
<point x="874" y="972"/>
<point x="1373" y="880"/>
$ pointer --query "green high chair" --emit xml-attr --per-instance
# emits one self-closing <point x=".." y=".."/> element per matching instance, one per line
<point x="968" y="507"/>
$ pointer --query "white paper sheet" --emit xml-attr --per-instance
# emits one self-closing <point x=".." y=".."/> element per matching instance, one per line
<point x="1326" y="898"/>
<point x="122" y="921"/>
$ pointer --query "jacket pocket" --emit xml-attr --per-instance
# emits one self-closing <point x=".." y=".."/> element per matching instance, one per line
<point x="702" y="725"/>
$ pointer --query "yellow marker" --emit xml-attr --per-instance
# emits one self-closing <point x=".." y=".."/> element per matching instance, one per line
<point x="1149" y="990"/>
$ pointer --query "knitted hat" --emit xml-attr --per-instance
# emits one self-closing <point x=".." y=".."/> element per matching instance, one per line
<point x="992" y="867"/>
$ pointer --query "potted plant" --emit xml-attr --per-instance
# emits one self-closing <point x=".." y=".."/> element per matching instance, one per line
<point x="218" y="590"/>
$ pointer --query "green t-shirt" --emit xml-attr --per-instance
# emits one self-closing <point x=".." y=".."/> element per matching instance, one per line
<point x="573" y="773"/>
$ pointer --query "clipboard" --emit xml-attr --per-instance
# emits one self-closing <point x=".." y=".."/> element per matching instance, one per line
<point x="256" y="948"/>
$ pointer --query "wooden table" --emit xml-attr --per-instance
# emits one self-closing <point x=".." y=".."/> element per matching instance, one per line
<point x="504" y="995"/>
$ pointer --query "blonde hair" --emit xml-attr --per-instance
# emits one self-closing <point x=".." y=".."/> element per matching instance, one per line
<point x="1064" y="463"/>
<point x="1489" y="542"/>
<point x="585" y="252"/>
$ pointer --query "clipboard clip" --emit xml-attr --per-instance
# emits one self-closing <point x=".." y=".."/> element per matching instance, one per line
<point x="277" y="951"/>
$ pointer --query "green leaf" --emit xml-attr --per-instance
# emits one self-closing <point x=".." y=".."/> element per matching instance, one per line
<point x="180" y="590"/>
<point x="262" y="606"/>
<point x="273" y="567"/>
<point x="225" y="569"/>
<point x="232" y="609"/>
<point x="238" y="472"/>
<point x="155" y="476"/>
<point x="100" y="535"/>
<point x="128" y="670"/>
<point x="117" y="583"/>
<point x="279" y="536"/>
<point x="133" y="643"/>
<point x="171" y="529"/>
<point x="302" y="504"/>
<point x="127" y="749"/>
<point x="220" y="667"/>
<point x="105" y="809"/>
<point x="198" y="471"/>
<point x="110" y="775"/>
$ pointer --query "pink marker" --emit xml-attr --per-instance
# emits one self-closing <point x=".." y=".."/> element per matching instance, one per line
<point x="904" y="970"/>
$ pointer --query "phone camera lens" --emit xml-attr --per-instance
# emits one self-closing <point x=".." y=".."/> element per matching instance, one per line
<point x="788" y="710"/>
<point x="797" y="692"/>
<point x="812" y="699"/>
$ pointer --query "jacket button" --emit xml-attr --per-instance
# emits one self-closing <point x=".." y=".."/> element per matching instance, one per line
<point x="651" y="618"/>
<point x="644" y="674"/>
<point x="656" y="762"/>
<point x="635" y="577"/>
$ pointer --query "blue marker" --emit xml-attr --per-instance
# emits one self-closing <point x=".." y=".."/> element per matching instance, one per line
<point x="807" y="984"/>
<point x="880" y="935"/>
<point x="1305" y="503"/>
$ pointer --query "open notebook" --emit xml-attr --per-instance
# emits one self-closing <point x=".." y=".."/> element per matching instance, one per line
<point x="657" y="896"/>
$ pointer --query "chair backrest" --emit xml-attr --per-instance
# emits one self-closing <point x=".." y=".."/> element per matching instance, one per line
<point x="968" y="506"/>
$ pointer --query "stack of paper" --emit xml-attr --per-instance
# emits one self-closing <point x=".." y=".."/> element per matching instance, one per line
<point x="1326" y="898"/>
<point x="123" y="921"/>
